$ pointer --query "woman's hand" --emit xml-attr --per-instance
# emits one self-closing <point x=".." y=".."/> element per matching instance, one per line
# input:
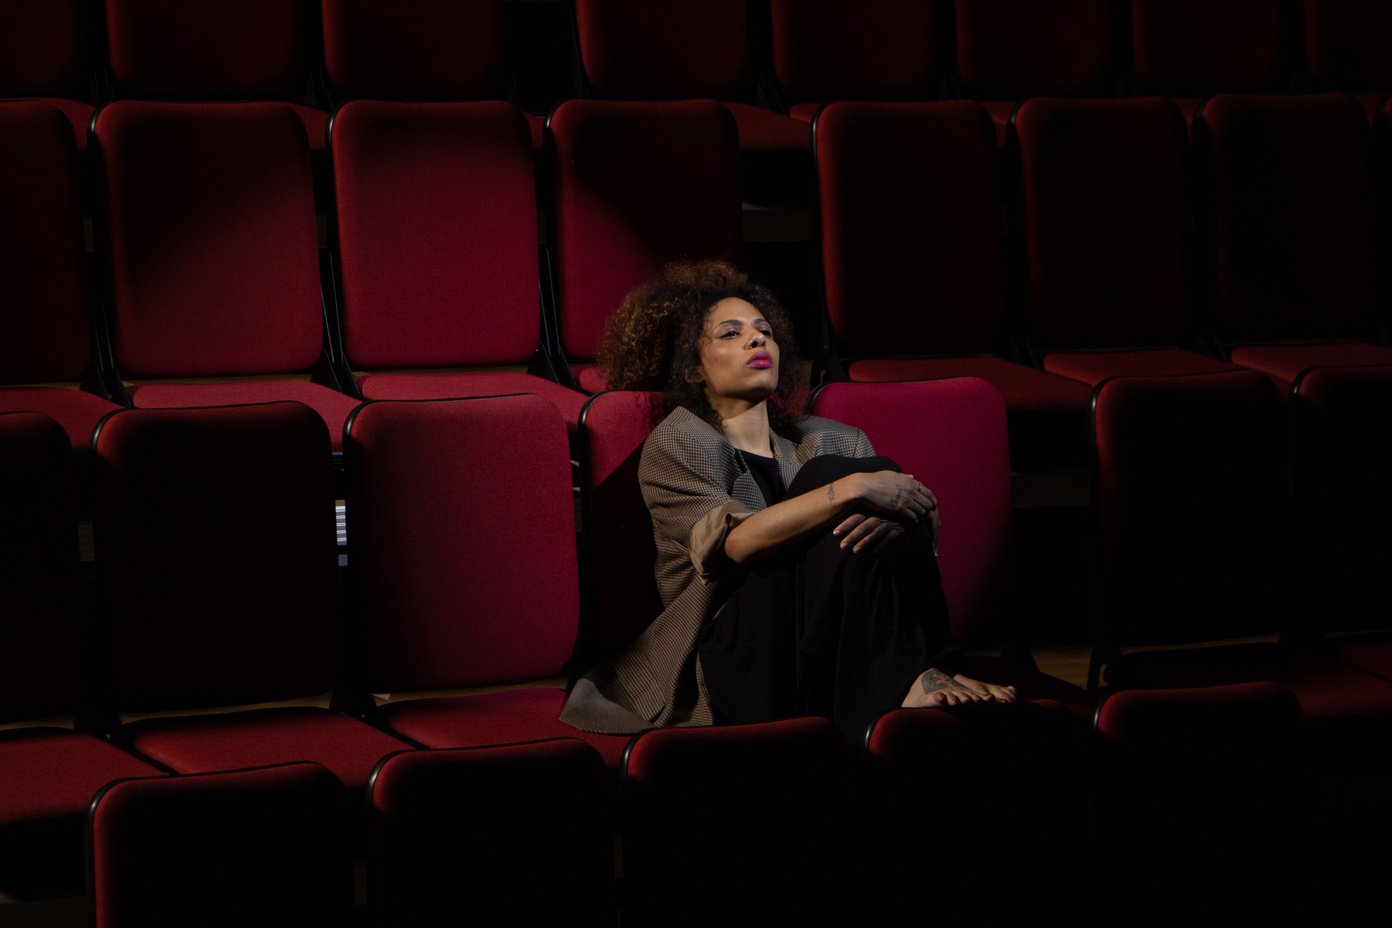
<point x="894" y="496"/>
<point x="860" y="533"/>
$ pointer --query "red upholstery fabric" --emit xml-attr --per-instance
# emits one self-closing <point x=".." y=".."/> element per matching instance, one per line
<point x="636" y="185"/>
<point x="333" y="407"/>
<point x="212" y="239"/>
<point x="177" y="50"/>
<point x="39" y="628"/>
<point x="221" y="849"/>
<point x="1374" y="657"/>
<point x="753" y="834"/>
<point x="951" y="435"/>
<point x="506" y="717"/>
<point x="541" y="797"/>
<point x="77" y="412"/>
<point x="481" y="590"/>
<point x="638" y="50"/>
<point x="1342" y="450"/>
<point x="200" y="744"/>
<point x="78" y="113"/>
<point x="44" y="311"/>
<point x="764" y="130"/>
<point x="1017" y="48"/>
<point x="1285" y="362"/>
<point x="421" y="49"/>
<point x="50" y="776"/>
<point x="589" y="377"/>
<point x="436" y="234"/>
<point x="1093" y="367"/>
<point x="396" y="386"/>
<point x="1200" y="794"/>
<point x="1346" y="44"/>
<point x="906" y="749"/>
<point x="620" y="550"/>
<point x="42" y="50"/>
<point x="1046" y="415"/>
<point x="1199" y="47"/>
<point x="910" y="254"/>
<point x="1105" y="193"/>
<point x="1327" y="691"/>
<point x="878" y="50"/>
<point x="1291" y="223"/>
<point x="1191" y="492"/>
<point x="217" y="555"/>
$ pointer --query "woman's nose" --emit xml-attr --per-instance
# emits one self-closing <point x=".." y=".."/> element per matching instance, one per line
<point x="758" y="340"/>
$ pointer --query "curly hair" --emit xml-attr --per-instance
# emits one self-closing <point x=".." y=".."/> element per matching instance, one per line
<point x="653" y="341"/>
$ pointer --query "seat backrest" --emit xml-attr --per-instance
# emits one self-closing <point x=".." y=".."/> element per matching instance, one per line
<point x="637" y="185"/>
<point x="170" y="49"/>
<point x="221" y="849"/>
<point x="951" y="435"/>
<point x="217" y="555"/>
<point x="1199" y="794"/>
<point x="415" y="49"/>
<point x="1199" y="47"/>
<point x="1342" y="458"/>
<point x="43" y="48"/>
<point x="45" y="316"/>
<point x="1193" y="506"/>
<point x="1288" y="198"/>
<point x="211" y="239"/>
<point x="1106" y="203"/>
<point x="1017" y="48"/>
<point x="461" y="520"/>
<point x="621" y="592"/>
<point x="873" y="50"/>
<point x="905" y="748"/>
<point x="436" y="234"/>
<point x="761" y="811"/>
<point x="436" y="851"/>
<point x="38" y="570"/>
<point x="1347" y="43"/>
<point x="910" y="227"/>
<point x="675" y="50"/>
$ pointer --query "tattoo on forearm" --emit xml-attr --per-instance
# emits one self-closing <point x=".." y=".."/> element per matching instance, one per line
<point x="831" y="492"/>
<point x="934" y="680"/>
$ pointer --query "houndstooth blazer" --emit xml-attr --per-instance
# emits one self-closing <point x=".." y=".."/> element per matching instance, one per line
<point x="697" y="488"/>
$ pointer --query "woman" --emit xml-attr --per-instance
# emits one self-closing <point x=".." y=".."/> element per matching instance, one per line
<point x="797" y="570"/>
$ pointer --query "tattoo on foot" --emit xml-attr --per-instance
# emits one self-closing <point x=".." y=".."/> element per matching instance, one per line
<point x="934" y="680"/>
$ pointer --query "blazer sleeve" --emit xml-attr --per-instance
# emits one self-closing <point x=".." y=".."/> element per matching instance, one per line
<point x="685" y="485"/>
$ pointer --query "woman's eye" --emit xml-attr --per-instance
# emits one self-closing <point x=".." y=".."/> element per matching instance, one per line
<point x="729" y="333"/>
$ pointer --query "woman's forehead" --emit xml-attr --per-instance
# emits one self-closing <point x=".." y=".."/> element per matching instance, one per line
<point x="733" y="309"/>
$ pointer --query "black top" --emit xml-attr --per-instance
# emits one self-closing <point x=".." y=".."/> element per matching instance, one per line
<point x="765" y="473"/>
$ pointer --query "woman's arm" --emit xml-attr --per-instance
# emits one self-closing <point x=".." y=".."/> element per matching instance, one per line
<point x="888" y="496"/>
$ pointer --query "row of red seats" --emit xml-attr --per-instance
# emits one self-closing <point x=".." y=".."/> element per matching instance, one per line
<point x="211" y="265"/>
<point x="217" y="583"/>
<point x="775" y="822"/>
<point x="811" y="52"/>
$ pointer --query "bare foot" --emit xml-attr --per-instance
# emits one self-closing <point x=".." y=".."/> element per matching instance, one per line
<point x="935" y="688"/>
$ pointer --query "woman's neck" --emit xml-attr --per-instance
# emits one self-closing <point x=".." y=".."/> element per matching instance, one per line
<point x="749" y="430"/>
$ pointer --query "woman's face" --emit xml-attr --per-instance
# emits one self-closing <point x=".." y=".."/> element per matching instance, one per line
<point x="739" y="356"/>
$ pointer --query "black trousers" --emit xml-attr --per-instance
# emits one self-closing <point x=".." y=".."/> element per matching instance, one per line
<point x="821" y="631"/>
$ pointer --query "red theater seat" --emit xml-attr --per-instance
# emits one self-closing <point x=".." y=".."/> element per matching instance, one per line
<point x="462" y="524"/>
<point x="218" y="567"/>
<point x="912" y="259"/>
<point x="437" y="241"/>
<point x="221" y="849"/>
<point x="44" y="55"/>
<point x="45" y="310"/>
<point x="636" y="185"/>
<point x="49" y="772"/>
<point x="213" y="251"/>
<point x="1106" y="199"/>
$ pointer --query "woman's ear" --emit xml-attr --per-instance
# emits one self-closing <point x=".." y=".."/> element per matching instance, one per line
<point x="694" y="374"/>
